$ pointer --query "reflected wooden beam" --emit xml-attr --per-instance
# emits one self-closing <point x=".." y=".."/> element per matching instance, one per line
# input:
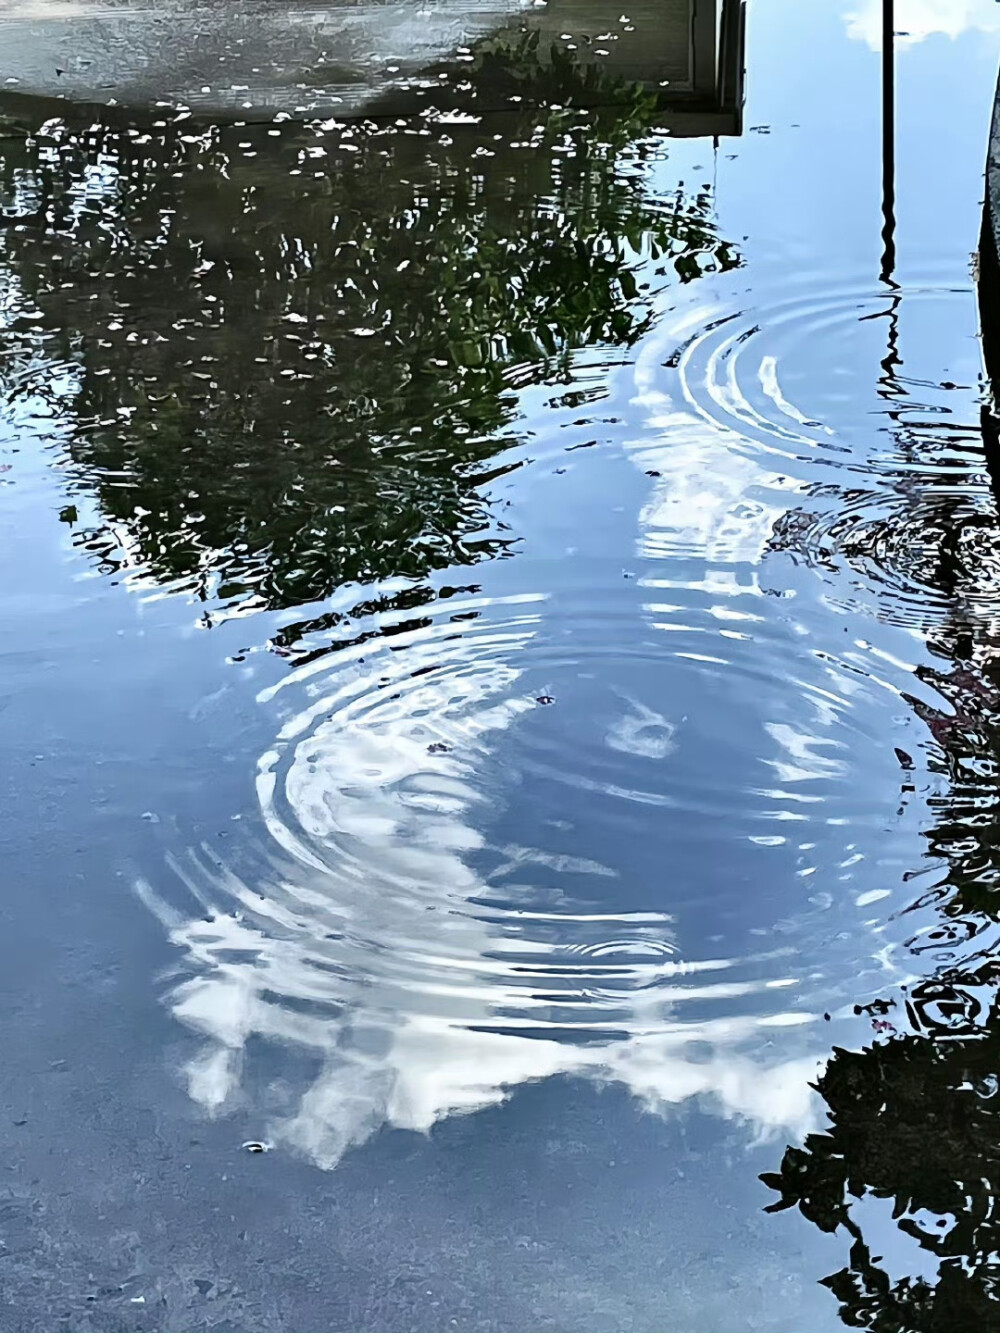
<point x="703" y="46"/>
<point x="732" y="68"/>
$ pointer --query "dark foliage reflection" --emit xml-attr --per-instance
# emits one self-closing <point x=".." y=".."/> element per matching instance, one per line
<point x="913" y="1115"/>
<point x="288" y="358"/>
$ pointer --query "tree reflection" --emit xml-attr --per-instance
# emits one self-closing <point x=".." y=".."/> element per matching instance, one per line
<point x="913" y="1119"/>
<point x="913" y="1116"/>
<point x="290" y="355"/>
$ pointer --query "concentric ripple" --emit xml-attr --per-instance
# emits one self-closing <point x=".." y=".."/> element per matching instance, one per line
<point x="625" y="828"/>
<point x="794" y="378"/>
<point x="486" y="864"/>
<point x="843" y="431"/>
<point x="924" y="552"/>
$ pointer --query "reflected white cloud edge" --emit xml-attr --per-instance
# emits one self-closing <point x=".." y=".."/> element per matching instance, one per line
<point x="916" y="20"/>
<point x="420" y="1069"/>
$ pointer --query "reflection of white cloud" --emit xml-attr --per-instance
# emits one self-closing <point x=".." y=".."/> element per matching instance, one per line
<point x="919" y="19"/>
<point x="383" y="1066"/>
<point x="774" y="1096"/>
<point x="803" y="760"/>
<point x="711" y="500"/>
<point x="642" y="731"/>
<point x="381" y="958"/>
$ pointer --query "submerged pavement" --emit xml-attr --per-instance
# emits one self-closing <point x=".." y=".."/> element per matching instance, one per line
<point x="255" y="57"/>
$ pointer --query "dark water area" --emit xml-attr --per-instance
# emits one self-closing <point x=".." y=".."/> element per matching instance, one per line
<point x="500" y="707"/>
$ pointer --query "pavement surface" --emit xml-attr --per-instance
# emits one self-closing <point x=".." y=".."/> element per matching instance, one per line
<point x="300" y="57"/>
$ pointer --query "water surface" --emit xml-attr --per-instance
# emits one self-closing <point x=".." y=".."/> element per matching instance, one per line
<point x="500" y="708"/>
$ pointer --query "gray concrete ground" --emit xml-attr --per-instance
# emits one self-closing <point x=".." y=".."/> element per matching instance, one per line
<point x="305" y="55"/>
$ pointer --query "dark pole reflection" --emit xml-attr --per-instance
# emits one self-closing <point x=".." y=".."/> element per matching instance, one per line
<point x="890" y="387"/>
<point x="888" y="143"/>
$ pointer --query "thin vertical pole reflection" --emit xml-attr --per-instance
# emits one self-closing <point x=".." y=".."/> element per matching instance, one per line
<point x="888" y="142"/>
<point x="890" y="387"/>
